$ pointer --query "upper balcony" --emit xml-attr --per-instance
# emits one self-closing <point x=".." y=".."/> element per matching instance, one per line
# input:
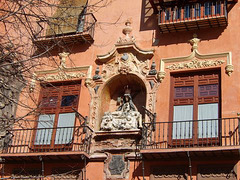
<point x="66" y="29"/>
<point x="201" y="137"/>
<point x="175" y="16"/>
<point x="54" y="144"/>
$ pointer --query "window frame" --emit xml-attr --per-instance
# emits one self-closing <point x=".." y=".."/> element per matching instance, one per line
<point x="195" y="139"/>
<point x="59" y="90"/>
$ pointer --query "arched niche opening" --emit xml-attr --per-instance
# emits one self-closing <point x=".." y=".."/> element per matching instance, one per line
<point x="115" y="89"/>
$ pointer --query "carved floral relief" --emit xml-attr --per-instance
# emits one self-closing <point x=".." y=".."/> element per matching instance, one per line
<point x="194" y="64"/>
<point x="62" y="76"/>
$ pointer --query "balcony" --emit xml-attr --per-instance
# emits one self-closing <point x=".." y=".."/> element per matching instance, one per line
<point x="218" y="136"/>
<point x="65" y="29"/>
<point x="62" y="143"/>
<point x="192" y="16"/>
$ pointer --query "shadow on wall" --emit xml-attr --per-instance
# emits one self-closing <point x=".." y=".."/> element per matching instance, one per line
<point x="59" y="46"/>
<point x="149" y="21"/>
<point x="138" y="171"/>
<point x="183" y="37"/>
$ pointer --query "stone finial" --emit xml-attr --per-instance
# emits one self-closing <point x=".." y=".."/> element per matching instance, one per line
<point x="97" y="76"/>
<point x="127" y="31"/>
<point x="63" y="57"/>
<point x="194" y="42"/>
<point x="153" y="70"/>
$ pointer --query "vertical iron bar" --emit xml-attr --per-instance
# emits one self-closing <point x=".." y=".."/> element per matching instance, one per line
<point x="163" y="132"/>
<point x="234" y="132"/>
<point x="225" y="138"/>
<point x="85" y="171"/>
<point x="238" y="130"/>
<point x="190" y="165"/>
<point x="220" y="131"/>
<point x="229" y="127"/>
<point x="143" y="168"/>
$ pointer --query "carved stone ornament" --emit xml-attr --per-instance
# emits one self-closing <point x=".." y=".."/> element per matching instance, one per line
<point x="126" y="117"/>
<point x="126" y="30"/>
<point x="130" y="64"/>
<point x="61" y="76"/>
<point x="63" y="57"/>
<point x="196" y="61"/>
<point x="126" y="57"/>
<point x="194" y="42"/>
<point x="161" y="75"/>
<point x="194" y="64"/>
<point x="116" y="167"/>
<point x="229" y="69"/>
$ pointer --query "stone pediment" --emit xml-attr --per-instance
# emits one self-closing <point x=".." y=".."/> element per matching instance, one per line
<point x="126" y="44"/>
<point x="125" y="57"/>
<point x="124" y="63"/>
<point x="196" y="60"/>
<point x="121" y="48"/>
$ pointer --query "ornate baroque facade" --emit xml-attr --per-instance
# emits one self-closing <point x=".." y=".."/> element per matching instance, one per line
<point x="153" y="96"/>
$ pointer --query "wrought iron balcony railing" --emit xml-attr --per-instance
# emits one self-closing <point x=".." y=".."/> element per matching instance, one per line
<point x="192" y="16"/>
<point x="187" y="134"/>
<point x="44" y="140"/>
<point x="68" y="29"/>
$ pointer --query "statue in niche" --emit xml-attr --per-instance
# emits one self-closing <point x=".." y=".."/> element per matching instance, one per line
<point x="125" y="118"/>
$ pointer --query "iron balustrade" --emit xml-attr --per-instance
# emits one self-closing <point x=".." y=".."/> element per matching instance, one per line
<point x="192" y="133"/>
<point x="52" y="27"/>
<point x="193" y="11"/>
<point x="193" y="16"/>
<point x="60" y="139"/>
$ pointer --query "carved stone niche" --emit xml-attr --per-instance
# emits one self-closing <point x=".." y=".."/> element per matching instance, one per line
<point x="125" y="66"/>
<point x="116" y="114"/>
<point x="124" y="139"/>
<point x="114" y="90"/>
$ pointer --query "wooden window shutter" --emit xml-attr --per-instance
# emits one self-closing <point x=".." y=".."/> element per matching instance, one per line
<point x="66" y="18"/>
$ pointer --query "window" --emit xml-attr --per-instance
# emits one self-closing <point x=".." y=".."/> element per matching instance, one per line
<point x="208" y="8"/>
<point x="168" y="14"/>
<point x="57" y="118"/>
<point x="177" y="13"/>
<point x="195" y="97"/>
<point x="217" y="8"/>
<point x="197" y="10"/>
<point x="69" y="18"/>
<point x="187" y="11"/>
